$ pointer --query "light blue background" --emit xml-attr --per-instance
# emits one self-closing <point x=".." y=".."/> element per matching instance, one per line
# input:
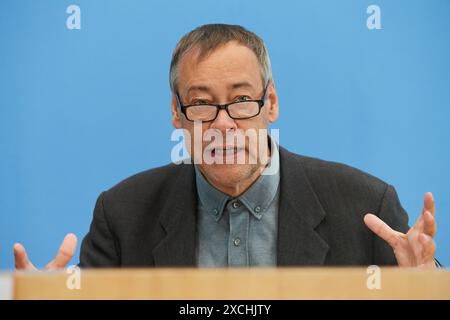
<point x="81" y="110"/>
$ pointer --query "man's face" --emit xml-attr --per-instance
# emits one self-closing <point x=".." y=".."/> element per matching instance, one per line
<point x="228" y="74"/>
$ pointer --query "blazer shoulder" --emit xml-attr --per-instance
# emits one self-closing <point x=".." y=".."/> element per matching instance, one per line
<point x="334" y="175"/>
<point x="147" y="184"/>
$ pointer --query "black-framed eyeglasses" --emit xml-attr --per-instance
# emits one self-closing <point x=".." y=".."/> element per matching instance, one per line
<point x="238" y="110"/>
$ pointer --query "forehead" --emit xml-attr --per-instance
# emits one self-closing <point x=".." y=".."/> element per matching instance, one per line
<point x="224" y="67"/>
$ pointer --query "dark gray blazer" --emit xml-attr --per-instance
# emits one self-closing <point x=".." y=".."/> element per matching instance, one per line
<point x="149" y="219"/>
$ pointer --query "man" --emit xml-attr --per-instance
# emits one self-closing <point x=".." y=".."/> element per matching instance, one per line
<point x="221" y="212"/>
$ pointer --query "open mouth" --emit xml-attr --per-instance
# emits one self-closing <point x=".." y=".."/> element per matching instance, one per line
<point x="227" y="154"/>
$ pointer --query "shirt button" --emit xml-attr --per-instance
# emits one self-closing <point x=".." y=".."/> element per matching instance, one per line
<point x="237" y="242"/>
<point x="257" y="209"/>
<point x="216" y="211"/>
<point x="236" y="204"/>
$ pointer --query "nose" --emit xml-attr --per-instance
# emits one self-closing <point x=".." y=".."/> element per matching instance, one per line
<point x="223" y="122"/>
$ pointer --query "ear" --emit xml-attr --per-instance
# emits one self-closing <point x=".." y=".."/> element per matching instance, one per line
<point x="272" y="102"/>
<point x="176" y="114"/>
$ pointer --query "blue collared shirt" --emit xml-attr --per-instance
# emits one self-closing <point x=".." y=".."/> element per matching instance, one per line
<point x="242" y="231"/>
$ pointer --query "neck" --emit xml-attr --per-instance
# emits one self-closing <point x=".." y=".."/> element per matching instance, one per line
<point x="239" y="188"/>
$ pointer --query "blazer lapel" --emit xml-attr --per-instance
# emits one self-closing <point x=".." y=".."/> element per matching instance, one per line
<point x="178" y="220"/>
<point x="300" y="212"/>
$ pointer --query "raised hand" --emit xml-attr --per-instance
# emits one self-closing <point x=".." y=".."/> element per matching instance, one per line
<point x="65" y="253"/>
<point x="416" y="248"/>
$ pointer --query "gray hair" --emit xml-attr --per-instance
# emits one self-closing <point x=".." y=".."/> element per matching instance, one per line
<point x="209" y="37"/>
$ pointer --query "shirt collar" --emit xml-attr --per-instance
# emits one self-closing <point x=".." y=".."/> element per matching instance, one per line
<point x="257" y="199"/>
<point x="212" y="200"/>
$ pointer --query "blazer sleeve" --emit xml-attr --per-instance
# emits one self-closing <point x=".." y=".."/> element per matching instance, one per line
<point x="99" y="247"/>
<point x="391" y="212"/>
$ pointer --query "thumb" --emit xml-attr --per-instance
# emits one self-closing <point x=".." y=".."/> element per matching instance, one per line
<point x="65" y="253"/>
<point x="21" y="261"/>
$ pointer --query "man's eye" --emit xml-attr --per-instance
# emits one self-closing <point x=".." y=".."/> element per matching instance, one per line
<point x="243" y="98"/>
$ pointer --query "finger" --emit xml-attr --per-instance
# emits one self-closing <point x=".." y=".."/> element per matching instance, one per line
<point x="65" y="253"/>
<point x="419" y="222"/>
<point x="429" y="225"/>
<point x="21" y="261"/>
<point x="428" y="203"/>
<point x="20" y="257"/>
<point x="380" y="228"/>
<point x="428" y="248"/>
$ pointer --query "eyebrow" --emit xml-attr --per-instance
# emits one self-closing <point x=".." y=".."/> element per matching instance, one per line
<point x="243" y="84"/>
<point x="202" y="88"/>
<point x="205" y="88"/>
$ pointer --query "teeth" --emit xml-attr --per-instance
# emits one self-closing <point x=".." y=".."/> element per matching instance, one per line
<point x="221" y="151"/>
